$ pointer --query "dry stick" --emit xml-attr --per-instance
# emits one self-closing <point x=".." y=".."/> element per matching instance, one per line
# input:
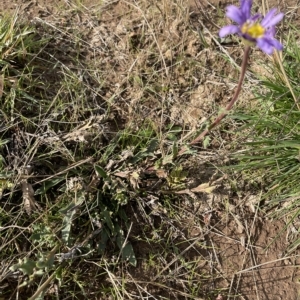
<point x="43" y="287"/>
<point x="200" y="137"/>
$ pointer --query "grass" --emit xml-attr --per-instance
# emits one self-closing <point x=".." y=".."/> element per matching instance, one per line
<point x="78" y="199"/>
<point x="93" y="202"/>
<point x="271" y="153"/>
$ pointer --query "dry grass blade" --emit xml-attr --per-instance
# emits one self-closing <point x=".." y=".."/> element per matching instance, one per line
<point x="177" y="258"/>
<point x="254" y="268"/>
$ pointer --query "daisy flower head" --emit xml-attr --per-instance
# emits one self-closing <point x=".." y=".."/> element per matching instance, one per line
<point x="255" y="29"/>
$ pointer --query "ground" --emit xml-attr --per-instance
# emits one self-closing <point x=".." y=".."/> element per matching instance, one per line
<point x="161" y="61"/>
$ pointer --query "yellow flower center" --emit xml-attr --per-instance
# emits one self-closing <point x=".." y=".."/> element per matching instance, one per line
<point x="254" y="30"/>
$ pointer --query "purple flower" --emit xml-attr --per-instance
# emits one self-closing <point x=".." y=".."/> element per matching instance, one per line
<point x="256" y="29"/>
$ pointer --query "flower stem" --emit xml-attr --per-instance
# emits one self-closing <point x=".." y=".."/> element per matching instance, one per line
<point x="200" y="137"/>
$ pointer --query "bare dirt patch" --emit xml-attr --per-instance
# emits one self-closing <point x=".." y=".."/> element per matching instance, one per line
<point x="257" y="260"/>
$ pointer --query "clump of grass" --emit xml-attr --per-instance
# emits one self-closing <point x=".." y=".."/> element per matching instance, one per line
<point x="271" y="154"/>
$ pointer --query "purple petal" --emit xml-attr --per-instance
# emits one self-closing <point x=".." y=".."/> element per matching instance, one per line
<point x="270" y="33"/>
<point x="268" y="17"/>
<point x="267" y="45"/>
<point x="235" y="14"/>
<point x="271" y="20"/>
<point x="255" y="17"/>
<point x="246" y="8"/>
<point x="277" y="45"/>
<point x="230" y="29"/>
<point x="276" y="19"/>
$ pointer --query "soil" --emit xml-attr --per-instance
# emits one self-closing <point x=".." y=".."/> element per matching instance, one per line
<point x="246" y="263"/>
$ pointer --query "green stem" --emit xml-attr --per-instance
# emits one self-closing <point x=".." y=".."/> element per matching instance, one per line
<point x="216" y="122"/>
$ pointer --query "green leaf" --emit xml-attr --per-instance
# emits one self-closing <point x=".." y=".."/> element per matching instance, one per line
<point x="173" y="132"/>
<point x="127" y="252"/>
<point x="153" y="145"/>
<point x="146" y="152"/>
<point x="39" y="272"/>
<point x="66" y="226"/>
<point x="174" y="149"/>
<point x="104" y="237"/>
<point x="3" y="142"/>
<point x="49" y="184"/>
<point x="206" y="142"/>
<point x="106" y="217"/>
<point x="27" y="266"/>
<point x="100" y="171"/>
<point x="46" y="262"/>
<point x="6" y="175"/>
<point x="69" y="212"/>
<point x="122" y="215"/>
<point x="43" y="235"/>
<point x="168" y="159"/>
